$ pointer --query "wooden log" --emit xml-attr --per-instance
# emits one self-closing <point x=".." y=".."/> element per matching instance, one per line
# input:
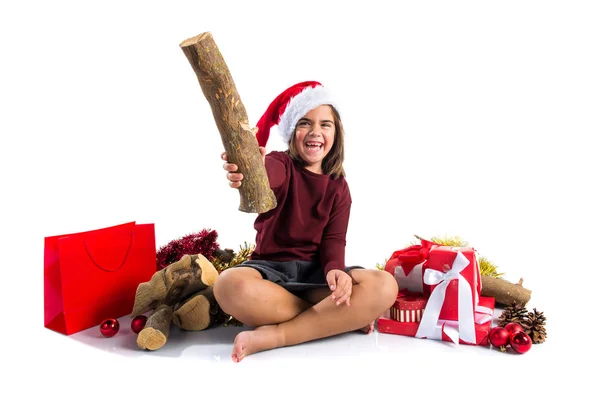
<point x="504" y="291"/>
<point x="231" y="118"/>
<point x="156" y="332"/>
<point x="180" y="279"/>
<point x="197" y="312"/>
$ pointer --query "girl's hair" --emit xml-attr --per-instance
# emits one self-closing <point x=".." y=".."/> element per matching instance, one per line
<point x="333" y="162"/>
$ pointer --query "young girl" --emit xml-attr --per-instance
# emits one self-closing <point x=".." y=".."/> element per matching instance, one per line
<point x="296" y="286"/>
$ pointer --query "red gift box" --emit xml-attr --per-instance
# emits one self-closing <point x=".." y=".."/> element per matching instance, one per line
<point x="446" y="330"/>
<point x="423" y="268"/>
<point x="452" y="269"/>
<point x="408" y="307"/>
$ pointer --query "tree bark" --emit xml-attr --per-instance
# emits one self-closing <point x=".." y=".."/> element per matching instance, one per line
<point x="197" y="312"/>
<point x="231" y="118"/>
<point x="176" y="281"/>
<point x="504" y="292"/>
<point x="156" y="332"/>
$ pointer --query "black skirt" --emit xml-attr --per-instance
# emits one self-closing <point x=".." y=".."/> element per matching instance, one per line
<point x="294" y="276"/>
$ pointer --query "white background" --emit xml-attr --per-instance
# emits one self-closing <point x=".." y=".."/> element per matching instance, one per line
<point x="463" y="118"/>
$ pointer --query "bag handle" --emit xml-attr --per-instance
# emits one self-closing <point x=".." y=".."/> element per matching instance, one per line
<point x="104" y="267"/>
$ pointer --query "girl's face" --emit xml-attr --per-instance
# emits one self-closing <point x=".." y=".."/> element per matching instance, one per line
<point x="315" y="133"/>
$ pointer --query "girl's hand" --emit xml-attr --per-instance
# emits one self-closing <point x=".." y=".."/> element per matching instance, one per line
<point x="235" y="179"/>
<point x="340" y="284"/>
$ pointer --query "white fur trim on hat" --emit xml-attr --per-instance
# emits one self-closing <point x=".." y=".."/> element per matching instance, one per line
<point x="310" y="98"/>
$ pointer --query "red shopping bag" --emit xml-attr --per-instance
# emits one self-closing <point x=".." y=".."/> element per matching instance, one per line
<point x="93" y="275"/>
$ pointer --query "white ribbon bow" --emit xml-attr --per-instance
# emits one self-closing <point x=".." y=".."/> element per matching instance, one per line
<point x="431" y="314"/>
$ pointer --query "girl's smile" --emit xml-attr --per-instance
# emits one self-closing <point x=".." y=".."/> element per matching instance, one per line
<point x="314" y="137"/>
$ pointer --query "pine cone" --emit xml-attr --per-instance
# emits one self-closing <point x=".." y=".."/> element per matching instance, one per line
<point x="534" y="326"/>
<point x="515" y="313"/>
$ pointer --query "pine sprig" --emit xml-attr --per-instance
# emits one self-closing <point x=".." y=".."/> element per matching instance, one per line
<point x="486" y="267"/>
<point x="242" y="255"/>
<point x="454" y="241"/>
<point x="381" y="265"/>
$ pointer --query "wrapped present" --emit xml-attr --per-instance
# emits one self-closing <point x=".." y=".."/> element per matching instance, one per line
<point x="454" y="292"/>
<point x="448" y="276"/>
<point x="452" y="280"/>
<point x="447" y="330"/>
<point x="407" y="266"/>
<point x="411" y="265"/>
<point x="408" y="307"/>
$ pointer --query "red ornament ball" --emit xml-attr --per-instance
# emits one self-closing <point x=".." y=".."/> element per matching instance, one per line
<point x="499" y="337"/>
<point x="109" y="327"/>
<point x="513" y="327"/>
<point x="138" y="323"/>
<point x="520" y="342"/>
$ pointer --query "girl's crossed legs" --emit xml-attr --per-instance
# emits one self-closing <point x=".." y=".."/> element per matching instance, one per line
<point x="281" y="318"/>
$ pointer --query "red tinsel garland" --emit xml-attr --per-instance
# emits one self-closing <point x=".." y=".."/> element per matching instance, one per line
<point x="203" y="242"/>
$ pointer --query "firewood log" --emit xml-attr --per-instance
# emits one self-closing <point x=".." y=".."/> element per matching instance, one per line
<point x="197" y="312"/>
<point x="231" y="118"/>
<point x="190" y="274"/>
<point x="156" y="331"/>
<point x="504" y="291"/>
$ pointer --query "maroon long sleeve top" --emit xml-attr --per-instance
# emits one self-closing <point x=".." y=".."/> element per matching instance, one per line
<point x="311" y="218"/>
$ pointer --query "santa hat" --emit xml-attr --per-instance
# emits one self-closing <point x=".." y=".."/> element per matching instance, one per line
<point x="289" y="107"/>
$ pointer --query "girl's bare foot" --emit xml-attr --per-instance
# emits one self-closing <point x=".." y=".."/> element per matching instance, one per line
<point x="369" y="328"/>
<point x="259" y="339"/>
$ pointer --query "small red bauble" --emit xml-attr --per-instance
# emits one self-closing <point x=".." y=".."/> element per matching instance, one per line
<point x="520" y="342"/>
<point x="513" y="327"/>
<point x="138" y="323"/>
<point x="109" y="327"/>
<point x="499" y="337"/>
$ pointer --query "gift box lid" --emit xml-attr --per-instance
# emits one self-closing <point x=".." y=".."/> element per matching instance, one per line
<point x="407" y="300"/>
